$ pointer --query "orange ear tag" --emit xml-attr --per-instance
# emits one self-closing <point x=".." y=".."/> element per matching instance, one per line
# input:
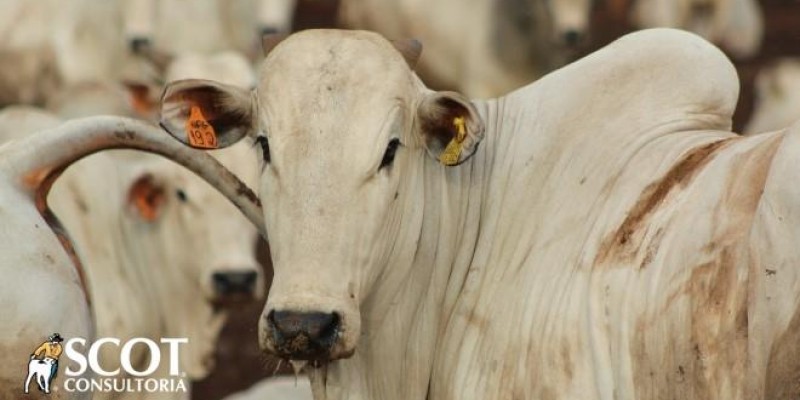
<point x="200" y="133"/>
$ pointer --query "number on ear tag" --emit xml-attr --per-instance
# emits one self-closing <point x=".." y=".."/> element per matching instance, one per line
<point x="200" y="133"/>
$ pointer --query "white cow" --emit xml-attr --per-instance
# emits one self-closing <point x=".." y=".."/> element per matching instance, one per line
<point x="48" y="44"/>
<point x="484" y="48"/>
<point x="205" y="26"/>
<point x="609" y="238"/>
<point x="27" y="58"/>
<point x="777" y="97"/>
<point x="42" y="289"/>
<point x="736" y="25"/>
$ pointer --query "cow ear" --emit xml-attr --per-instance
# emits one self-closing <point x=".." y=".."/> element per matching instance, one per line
<point x="205" y="114"/>
<point x="146" y="198"/>
<point x="450" y="127"/>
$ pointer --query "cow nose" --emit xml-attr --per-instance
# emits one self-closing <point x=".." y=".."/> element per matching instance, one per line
<point x="303" y="335"/>
<point x="234" y="282"/>
<point x="138" y="44"/>
<point x="572" y="37"/>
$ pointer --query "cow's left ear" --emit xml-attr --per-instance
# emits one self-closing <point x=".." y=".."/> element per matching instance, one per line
<point x="450" y="127"/>
<point x="206" y="114"/>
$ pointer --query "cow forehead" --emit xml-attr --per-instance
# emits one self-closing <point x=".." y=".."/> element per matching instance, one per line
<point x="331" y="72"/>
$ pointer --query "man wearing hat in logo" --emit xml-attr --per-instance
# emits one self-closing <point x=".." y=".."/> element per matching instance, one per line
<point x="50" y="349"/>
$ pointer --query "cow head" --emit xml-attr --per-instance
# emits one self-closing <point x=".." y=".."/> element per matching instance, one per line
<point x="343" y="124"/>
<point x="570" y="21"/>
<point x="197" y="247"/>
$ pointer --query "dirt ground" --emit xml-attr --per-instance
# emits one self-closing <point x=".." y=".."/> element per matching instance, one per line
<point x="239" y="361"/>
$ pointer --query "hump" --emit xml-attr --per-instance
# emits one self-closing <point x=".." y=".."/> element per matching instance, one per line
<point x="645" y="78"/>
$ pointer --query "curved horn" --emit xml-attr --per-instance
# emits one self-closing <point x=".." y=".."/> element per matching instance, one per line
<point x="46" y="154"/>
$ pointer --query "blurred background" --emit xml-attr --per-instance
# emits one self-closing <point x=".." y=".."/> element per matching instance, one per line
<point x="483" y="48"/>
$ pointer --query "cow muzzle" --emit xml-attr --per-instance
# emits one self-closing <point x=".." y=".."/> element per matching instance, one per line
<point x="231" y="283"/>
<point x="303" y="335"/>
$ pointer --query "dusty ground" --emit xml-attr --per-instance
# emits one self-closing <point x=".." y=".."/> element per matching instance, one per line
<point x="239" y="361"/>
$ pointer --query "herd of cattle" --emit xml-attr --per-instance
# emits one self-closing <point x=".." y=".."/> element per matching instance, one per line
<point x="600" y="233"/>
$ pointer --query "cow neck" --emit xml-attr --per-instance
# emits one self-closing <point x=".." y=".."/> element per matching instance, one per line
<point x="441" y="208"/>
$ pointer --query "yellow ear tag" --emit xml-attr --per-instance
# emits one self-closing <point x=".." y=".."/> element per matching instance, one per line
<point x="452" y="153"/>
<point x="200" y="133"/>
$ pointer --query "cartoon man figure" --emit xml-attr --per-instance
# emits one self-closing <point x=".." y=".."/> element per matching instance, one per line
<point x="50" y="349"/>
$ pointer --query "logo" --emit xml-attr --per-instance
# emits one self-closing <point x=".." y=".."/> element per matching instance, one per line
<point x="92" y="376"/>
<point x="43" y="363"/>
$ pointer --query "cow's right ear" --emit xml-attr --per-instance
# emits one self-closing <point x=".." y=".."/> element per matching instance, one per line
<point x="206" y="114"/>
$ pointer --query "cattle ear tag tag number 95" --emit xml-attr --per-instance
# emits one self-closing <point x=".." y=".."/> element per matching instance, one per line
<point x="452" y="153"/>
<point x="200" y="133"/>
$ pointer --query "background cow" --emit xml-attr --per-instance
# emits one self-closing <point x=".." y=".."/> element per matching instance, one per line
<point x="736" y="25"/>
<point x="38" y="261"/>
<point x="777" y="99"/>
<point x="164" y="247"/>
<point x="486" y="48"/>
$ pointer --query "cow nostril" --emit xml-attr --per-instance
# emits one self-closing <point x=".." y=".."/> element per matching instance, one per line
<point x="321" y="329"/>
<point x="329" y="328"/>
<point x="138" y="44"/>
<point x="572" y="37"/>
<point x="234" y="282"/>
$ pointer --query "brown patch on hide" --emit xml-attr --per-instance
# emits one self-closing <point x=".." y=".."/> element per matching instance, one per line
<point x="625" y="241"/>
<point x="652" y="248"/>
<point x="783" y="368"/>
<point x="479" y="322"/>
<point x="719" y="322"/>
<point x="566" y="359"/>
<point x="713" y="352"/>
<point x="717" y="345"/>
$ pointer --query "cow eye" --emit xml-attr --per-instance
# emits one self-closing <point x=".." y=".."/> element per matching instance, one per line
<point x="181" y="195"/>
<point x="264" y="144"/>
<point x="388" y="156"/>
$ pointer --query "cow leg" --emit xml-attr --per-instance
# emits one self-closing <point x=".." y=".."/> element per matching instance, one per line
<point x="28" y="380"/>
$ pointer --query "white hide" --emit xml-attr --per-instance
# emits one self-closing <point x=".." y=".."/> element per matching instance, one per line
<point x="609" y="238"/>
<point x="477" y="47"/>
<point x="736" y="25"/>
<point x="777" y="97"/>
<point x="42" y="290"/>
<point x="277" y="388"/>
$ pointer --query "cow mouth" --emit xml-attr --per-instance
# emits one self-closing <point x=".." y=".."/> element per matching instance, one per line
<point x="303" y="348"/>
